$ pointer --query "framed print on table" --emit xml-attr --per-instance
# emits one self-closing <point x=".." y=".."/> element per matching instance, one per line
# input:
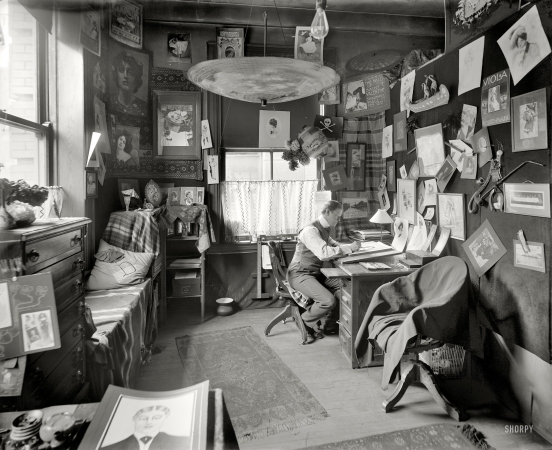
<point x="177" y="125"/>
<point x="356" y="166"/>
<point x="451" y="214"/>
<point x="529" y="121"/>
<point x="528" y="199"/>
<point x="406" y="200"/>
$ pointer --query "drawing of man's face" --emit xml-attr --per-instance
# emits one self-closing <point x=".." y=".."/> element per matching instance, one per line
<point x="149" y="422"/>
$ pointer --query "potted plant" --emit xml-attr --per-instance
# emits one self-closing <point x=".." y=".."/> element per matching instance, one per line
<point x="309" y="144"/>
<point x="20" y="199"/>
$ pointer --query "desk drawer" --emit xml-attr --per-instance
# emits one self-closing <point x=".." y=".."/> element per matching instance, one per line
<point x="346" y="343"/>
<point x="346" y="285"/>
<point x="345" y="318"/>
<point x="346" y="300"/>
<point x="39" y="252"/>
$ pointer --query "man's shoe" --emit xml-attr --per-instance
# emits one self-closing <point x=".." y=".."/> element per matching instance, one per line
<point x="315" y="334"/>
<point x="331" y="328"/>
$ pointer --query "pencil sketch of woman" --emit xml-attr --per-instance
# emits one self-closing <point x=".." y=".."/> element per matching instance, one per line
<point x="525" y="53"/>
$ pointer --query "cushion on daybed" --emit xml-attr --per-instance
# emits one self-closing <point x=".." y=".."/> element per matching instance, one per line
<point x="115" y="268"/>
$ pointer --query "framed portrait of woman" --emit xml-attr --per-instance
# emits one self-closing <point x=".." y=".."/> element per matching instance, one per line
<point x="177" y="125"/>
<point x="129" y="80"/>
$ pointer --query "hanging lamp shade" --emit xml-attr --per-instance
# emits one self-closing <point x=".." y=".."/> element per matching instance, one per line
<point x="258" y="79"/>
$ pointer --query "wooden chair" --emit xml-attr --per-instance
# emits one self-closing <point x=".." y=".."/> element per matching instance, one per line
<point x="296" y="301"/>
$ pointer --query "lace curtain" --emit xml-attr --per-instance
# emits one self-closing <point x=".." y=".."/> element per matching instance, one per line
<point x="266" y="207"/>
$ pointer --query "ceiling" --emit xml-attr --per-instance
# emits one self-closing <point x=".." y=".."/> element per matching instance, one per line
<point x="418" y="8"/>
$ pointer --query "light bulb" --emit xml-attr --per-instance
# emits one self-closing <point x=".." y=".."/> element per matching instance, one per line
<point x="319" y="26"/>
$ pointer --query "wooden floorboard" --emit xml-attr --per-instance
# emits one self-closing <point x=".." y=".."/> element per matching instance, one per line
<point x="352" y="398"/>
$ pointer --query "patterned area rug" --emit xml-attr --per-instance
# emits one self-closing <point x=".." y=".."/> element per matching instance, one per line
<point x="263" y="395"/>
<point x="438" y="437"/>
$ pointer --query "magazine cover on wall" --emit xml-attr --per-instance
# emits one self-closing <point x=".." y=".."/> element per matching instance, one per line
<point x="129" y="80"/>
<point x="307" y="47"/>
<point x="529" y="124"/>
<point x="399" y="132"/>
<point x="125" y="22"/>
<point x="525" y="44"/>
<point x="90" y="31"/>
<point x="177" y="125"/>
<point x="179" y="48"/>
<point x="274" y="128"/>
<point x="356" y="166"/>
<point x="495" y="99"/>
<point x="230" y="43"/>
<point x="365" y="94"/>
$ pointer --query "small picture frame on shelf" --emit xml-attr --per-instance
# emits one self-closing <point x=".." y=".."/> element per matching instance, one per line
<point x="200" y="197"/>
<point x="92" y="184"/>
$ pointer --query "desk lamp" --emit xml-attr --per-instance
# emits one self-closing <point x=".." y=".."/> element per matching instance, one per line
<point x="381" y="217"/>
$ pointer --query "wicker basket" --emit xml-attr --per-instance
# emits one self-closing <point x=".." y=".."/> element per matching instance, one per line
<point x="446" y="361"/>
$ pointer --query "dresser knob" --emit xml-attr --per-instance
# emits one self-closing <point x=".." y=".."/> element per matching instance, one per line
<point x="79" y="376"/>
<point x="78" y="264"/>
<point x="33" y="255"/>
<point x="77" y="355"/>
<point x="76" y="241"/>
<point x="78" y="331"/>
<point x="38" y="374"/>
<point x="79" y="286"/>
<point x="80" y="308"/>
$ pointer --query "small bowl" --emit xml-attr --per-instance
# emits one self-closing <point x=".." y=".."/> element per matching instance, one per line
<point x="226" y="306"/>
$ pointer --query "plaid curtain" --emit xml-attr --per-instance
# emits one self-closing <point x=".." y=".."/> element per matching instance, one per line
<point x="367" y="130"/>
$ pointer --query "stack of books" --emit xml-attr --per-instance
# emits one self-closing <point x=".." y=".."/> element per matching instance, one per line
<point x="371" y="235"/>
<point x="189" y="263"/>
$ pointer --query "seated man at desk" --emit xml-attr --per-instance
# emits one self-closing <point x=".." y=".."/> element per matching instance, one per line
<point x="314" y="245"/>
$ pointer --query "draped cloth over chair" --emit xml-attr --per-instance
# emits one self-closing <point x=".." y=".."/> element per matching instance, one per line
<point x="432" y="302"/>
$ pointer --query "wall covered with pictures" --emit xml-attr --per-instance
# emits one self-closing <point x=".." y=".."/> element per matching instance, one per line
<point x="511" y="284"/>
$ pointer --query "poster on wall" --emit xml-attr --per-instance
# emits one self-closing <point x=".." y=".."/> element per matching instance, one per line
<point x="495" y="99"/>
<point x="125" y="22"/>
<point x="274" y="128"/>
<point x="355" y="208"/>
<point x="332" y="127"/>
<point x="90" y="34"/>
<point x="399" y="132"/>
<point x="307" y="47"/>
<point x="129" y="81"/>
<point x="230" y="43"/>
<point x="330" y="96"/>
<point x="365" y="94"/>
<point x="332" y="154"/>
<point x="179" y="48"/>
<point x="470" y="65"/>
<point x="529" y="124"/>
<point x="407" y="90"/>
<point x="525" y="44"/>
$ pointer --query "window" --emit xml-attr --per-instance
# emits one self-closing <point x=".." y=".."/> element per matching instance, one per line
<point x="23" y="100"/>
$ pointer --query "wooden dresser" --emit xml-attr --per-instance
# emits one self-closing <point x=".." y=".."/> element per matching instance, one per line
<point x="56" y="246"/>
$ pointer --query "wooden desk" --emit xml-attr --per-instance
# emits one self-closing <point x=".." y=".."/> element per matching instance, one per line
<point x="356" y="294"/>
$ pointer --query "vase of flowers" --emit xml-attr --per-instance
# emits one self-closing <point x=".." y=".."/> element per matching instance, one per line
<point x="309" y="144"/>
<point x="20" y="201"/>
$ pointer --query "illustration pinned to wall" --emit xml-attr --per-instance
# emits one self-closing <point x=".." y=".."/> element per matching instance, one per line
<point x="98" y="76"/>
<point x="332" y="127"/>
<point x="532" y="259"/>
<point x="430" y="197"/>
<point x="420" y="201"/>
<point x="335" y="178"/>
<point x="451" y="214"/>
<point x="403" y="172"/>
<point x="100" y="126"/>
<point x="90" y="35"/>
<point x="307" y="47"/>
<point x="330" y="96"/>
<point x="128" y="81"/>
<point x="414" y="172"/>
<point x="230" y="43"/>
<point x="469" y="168"/>
<point x="355" y="208"/>
<point x="399" y="132"/>
<point x="356" y="166"/>
<point x="206" y="141"/>
<point x="273" y="128"/>
<point x="495" y="99"/>
<point x="445" y="173"/>
<point x="332" y="154"/>
<point x="401" y="234"/>
<point x="12" y="372"/>
<point x="527" y="199"/>
<point x="126" y="143"/>
<point x="125" y="22"/>
<point x="525" y="44"/>
<point x="430" y="148"/>
<point x="529" y="124"/>
<point x="213" y="172"/>
<point x="482" y="146"/>
<point x="383" y="198"/>
<point x="179" y="48"/>
<point x="467" y="126"/>
<point x="460" y="152"/>
<point x="470" y="65"/>
<point x="387" y="142"/>
<point x="407" y="90"/>
<point x="391" y="175"/>
<point x="419" y="234"/>
<point x="406" y="200"/>
<point x="484" y="248"/>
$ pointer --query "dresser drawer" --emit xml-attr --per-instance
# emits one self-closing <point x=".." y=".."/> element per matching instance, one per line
<point x="68" y="268"/>
<point x="345" y="318"/>
<point x="346" y="284"/>
<point x="346" y="343"/>
<point x="70" y="315"/>
<point x="38" y="253"/>
<point x="346" y="299"/>
<point x="69" y="291"/>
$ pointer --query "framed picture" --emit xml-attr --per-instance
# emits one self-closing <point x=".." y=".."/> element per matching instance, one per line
<point x="200" y="199"/>
<point x="527" y="199"/>
<point x="445" y="173"/>
<point x="330" y="96"/>
<point x="179" y="48"/>
<point x="451" y="214"/>
<point x="391" y="175"/>
<point x="129" y="80"/>
<point x="532" y="259"/>
<point x="90" y="34"/>
<point x="356" y="166"/>
<point x="39" y="329"/>
<point x="399" y="131"/>
<point x="355" y="208"/>
<point x="529" y="123"/>
<point x="125" y="22"/>
<point x="484" y="248"/>
<point x="189" y="196"/>
<point x="229" y="43"/>
<point x="307" y="47"/>
<point x="431" y="149"/>
<point x="469" y="168"/>
<point x="383" y="198"/>
<point x="124" y="184"/>
<point x="467" y="123"/>
<point x="174" y="196"/>
<point x="177" y="125"/>
<point x="406" y="200"/>
<point x="332" y="154"/>
<point x="365" y="94"/>
<point x="92" y="184"/>
<point x="495" y="99"/>
<point x="335" y="178"/>
<point x="274" y="128"/>
<point x="126" y="146"/>
<point x="206" y="141"/>
<point x="387" y="142"/>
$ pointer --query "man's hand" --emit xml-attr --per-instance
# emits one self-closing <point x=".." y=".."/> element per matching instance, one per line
<point x="355" y="246"/>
